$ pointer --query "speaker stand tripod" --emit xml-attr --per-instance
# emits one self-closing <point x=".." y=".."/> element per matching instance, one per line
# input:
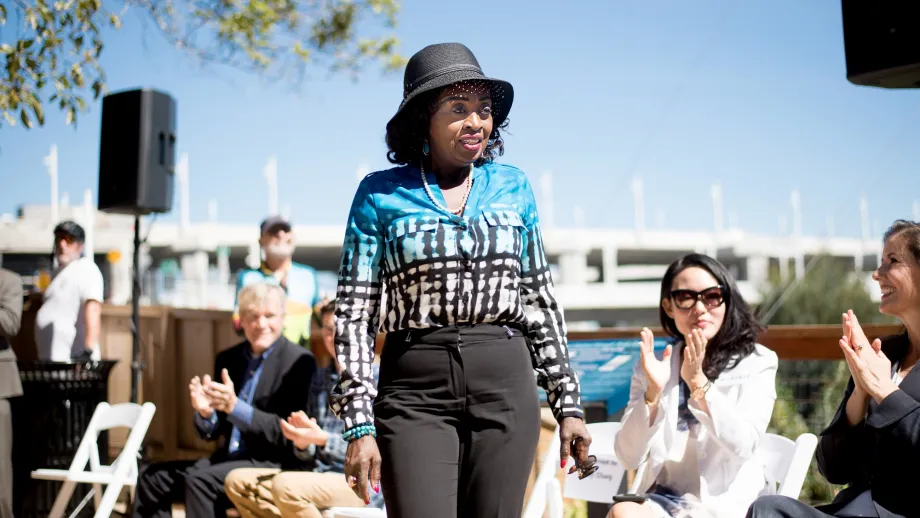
<point x="136" y="364"/>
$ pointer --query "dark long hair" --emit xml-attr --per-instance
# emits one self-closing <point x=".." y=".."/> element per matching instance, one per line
<point x="909" y="231"/>
<point x="740" y="329"/>
<point x="406" y="133"/>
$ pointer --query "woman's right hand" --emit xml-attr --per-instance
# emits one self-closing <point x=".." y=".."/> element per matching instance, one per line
<point x="362" y="465"/>
<point x="853" y="331"/>
<point x="657" y="372"/>
<point x="857" y="340"/>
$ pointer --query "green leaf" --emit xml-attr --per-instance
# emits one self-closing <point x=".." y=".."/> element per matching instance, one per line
<point x="9" y="118"/>
<point x="24" y="117"/>
<point x="76" y="73"/>
<point x="59" y="43"/>
<point x="39" y="112"/>
<point x="301" y="52"/>
<point x="32" y="18"/>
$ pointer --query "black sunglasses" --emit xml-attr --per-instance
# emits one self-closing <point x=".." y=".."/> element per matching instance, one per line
<point x="66" y="237"/>
<point x="710" y="297"/>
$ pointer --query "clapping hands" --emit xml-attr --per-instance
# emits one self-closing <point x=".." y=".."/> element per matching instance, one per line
<point x="303" y="431"/>
<point x="200" y="402"/>
<point x="869" y="366"/>
<point x="207" y="395"/>
<point x="657" y="372"/>
<point x="222" y="396"/>
<point x="691" y="367"/>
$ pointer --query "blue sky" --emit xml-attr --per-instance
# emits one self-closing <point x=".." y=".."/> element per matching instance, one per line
<point x="751" y="94"/>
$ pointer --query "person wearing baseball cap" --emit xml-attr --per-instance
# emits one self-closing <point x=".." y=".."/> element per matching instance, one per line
<point x="300" y="282"/>
<point x="68" y="324"/>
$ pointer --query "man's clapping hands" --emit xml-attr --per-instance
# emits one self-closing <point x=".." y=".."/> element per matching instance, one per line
<point x="208" y="395"/>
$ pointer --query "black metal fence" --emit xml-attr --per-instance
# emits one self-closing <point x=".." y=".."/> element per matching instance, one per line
<point x="49" y="420"/>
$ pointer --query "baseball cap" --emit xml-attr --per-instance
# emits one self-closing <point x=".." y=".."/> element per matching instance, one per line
<point x="273" y="222"/>
<point x="71" y="229"/>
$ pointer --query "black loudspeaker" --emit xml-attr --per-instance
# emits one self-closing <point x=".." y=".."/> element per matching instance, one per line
<point x="882" y="43"/>
<point x="137" y="154"/>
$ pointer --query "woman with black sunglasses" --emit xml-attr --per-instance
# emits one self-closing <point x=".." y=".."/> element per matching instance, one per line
<point x="694" y="418"/>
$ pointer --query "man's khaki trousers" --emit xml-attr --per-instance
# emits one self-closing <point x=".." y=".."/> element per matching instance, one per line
<point x="263" y="493"/>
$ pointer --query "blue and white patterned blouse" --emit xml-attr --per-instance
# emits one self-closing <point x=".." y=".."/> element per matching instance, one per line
<point x="439" y="269"/>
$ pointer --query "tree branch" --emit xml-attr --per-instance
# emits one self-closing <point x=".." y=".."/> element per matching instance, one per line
<point x="272" y="38"/>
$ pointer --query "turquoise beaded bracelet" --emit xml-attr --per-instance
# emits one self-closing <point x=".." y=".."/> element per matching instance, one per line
<point x="359" y="431"/>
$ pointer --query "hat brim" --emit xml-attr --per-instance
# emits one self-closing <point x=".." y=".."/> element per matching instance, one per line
<point x="71" y="229"/>
<point x="276" y="226"/>
<point x="502" y="93"/>
<point x="76" y="238"/>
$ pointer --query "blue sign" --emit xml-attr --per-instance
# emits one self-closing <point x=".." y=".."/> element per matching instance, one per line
<point x="605" y="368"/>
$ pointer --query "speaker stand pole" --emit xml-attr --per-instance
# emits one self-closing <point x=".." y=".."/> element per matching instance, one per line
<point x="135" y="313"/>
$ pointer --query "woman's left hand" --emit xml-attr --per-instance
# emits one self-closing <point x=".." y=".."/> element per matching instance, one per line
<point x="870" y="368"/>
<point x="691" y="366"/>
<point x="576" y="441"/>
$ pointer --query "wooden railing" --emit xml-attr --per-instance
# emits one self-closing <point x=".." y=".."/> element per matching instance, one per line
<point x="817" y="342"/>
<point x="182" y="343"/>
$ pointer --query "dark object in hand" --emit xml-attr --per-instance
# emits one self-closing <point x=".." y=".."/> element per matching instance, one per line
<point x="588" y="469"/>
<point x="85" y="356"/>
<point x="590" y="465"/>
<point x="638" y="499"/>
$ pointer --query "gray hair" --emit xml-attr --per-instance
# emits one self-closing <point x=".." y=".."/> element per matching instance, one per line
<point x="256" y="296"/>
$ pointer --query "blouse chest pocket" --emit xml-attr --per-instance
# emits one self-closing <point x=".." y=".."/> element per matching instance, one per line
<point x="410" y="242"/>
<point x="504" y="232"/>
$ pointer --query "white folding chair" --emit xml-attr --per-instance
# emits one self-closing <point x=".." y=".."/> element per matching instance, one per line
<point x="787" y="462"/>
<point x="547" y="492"/>
<point x="121" y="473"/>
<point x="784" y="461"/>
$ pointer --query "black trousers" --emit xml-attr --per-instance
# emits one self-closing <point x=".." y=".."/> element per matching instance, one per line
<point x="776" y="506"/>
<point x="458" y="421"/>
<point x="199" y="483"/>
<point x="6" y="460"/>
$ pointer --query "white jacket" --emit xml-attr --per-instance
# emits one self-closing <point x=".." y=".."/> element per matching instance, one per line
<point x="740" y="403"/>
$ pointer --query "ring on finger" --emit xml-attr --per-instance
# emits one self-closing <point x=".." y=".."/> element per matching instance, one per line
<point x="352" y="481"/>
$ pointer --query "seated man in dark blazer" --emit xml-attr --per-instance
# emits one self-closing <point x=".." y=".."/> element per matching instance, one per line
<point x="261" y="381"/>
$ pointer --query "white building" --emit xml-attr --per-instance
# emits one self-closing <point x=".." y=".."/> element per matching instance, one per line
<point x="606" y="277"/>
<point x="603" y="277"/>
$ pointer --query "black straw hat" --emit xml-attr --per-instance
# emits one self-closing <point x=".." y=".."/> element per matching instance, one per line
<point x="443" y="64"/>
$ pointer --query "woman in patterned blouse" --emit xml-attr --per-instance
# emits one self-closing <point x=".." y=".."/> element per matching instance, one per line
<point x="453" y="240"/>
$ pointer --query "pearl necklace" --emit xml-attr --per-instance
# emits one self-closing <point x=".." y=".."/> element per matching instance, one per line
<point x="469" y="186"/>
